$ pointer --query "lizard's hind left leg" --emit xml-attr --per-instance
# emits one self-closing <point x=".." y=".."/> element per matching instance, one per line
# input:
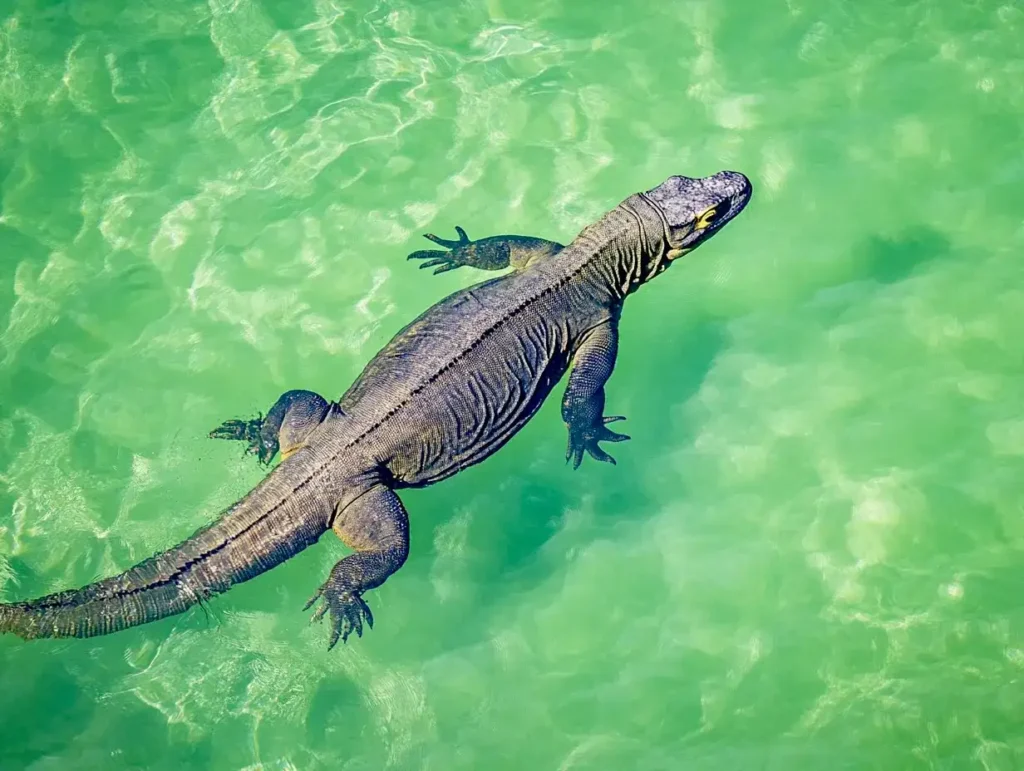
<point x="376" y="527"/>
<point x="290" y="421"/>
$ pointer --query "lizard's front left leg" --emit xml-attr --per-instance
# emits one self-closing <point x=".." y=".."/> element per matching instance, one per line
<point x="290" y="421"/>
<point x="376" y="526"/>
<point x="583" y="402"/>
<point x="491" y="253"/>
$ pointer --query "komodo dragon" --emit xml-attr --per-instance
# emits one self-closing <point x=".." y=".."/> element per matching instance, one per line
<point x="449" y="390"/>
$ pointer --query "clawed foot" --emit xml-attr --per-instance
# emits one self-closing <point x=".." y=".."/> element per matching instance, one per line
<point x="445" y="261"/>
<point x="348" y="610"/>
<point x="587" y="440"/>
<point x="247" y="431"/>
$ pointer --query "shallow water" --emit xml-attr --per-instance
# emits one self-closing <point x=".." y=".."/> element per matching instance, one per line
<point x="810" y="555"/>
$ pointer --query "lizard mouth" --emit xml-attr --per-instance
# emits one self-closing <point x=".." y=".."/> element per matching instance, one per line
<point x="705" y="226"/>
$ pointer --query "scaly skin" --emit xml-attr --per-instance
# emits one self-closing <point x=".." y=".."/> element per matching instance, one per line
<point x="445" y="393"/>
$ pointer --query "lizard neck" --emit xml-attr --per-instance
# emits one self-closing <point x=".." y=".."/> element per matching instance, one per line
<point x="626" y="247"/>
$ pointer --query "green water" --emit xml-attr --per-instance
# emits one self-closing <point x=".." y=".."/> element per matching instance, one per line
<point x="810" y="556"/>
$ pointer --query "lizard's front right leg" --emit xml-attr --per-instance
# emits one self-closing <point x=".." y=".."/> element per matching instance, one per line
<point x="376" y="526"/>
<point x="491" y="253"/>
<point x="290" y="421"/>
<point x="583" y="402"/>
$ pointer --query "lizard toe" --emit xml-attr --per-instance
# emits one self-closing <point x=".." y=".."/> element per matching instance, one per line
<point x="427" y="254"/>
<point x="587" y="442"/>
<point x="595" y="452"/>
<point x="348" y="612"/>
<point x="247" y="431"/>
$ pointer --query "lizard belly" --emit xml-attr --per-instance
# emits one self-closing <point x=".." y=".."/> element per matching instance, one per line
<point x="479" y="403"/>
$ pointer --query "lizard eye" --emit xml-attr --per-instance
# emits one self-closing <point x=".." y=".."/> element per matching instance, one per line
<point x="705" y="219"/>
<point x="709" y="216"/>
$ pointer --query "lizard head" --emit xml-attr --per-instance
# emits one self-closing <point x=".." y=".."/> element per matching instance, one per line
<point x="696" y="209"/>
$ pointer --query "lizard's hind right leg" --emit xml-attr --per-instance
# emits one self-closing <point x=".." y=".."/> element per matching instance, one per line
<point x="290" y="421"/>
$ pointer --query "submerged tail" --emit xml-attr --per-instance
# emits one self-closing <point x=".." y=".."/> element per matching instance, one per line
<point x="283" y="515"/>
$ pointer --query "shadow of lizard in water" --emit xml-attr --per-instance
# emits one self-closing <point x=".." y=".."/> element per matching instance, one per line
<point x="880" y="261"/>
<point x="872" y="265"/>
<point x="508" y="514"/>
<point x="888" y="260"/>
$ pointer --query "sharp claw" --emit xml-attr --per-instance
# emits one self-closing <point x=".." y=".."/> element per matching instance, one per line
<point x="462" y="234"/>
<point x="581" y="443"/>
<point x="445" y="268"/>
<point x="348" y="612"/>
<point x="597" y="453"/>
<point x="435" y="261"/>
<point x="230" y="429"/>
<point x="424" y="254"/>
<point x="241" y="431"/>
<point x="446" y="243"/>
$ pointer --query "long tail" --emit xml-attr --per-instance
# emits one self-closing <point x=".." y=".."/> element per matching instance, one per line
<point x="283" y="515"/>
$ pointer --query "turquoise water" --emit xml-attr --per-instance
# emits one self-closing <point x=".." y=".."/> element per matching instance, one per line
<point x="810" y="556"/>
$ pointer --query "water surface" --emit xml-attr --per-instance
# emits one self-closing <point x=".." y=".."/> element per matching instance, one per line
<point x="809" y="557"/>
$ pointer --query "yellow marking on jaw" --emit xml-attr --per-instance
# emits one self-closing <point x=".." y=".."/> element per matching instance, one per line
<point x="291" y="451"/>
<point x="705" y="219"/>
